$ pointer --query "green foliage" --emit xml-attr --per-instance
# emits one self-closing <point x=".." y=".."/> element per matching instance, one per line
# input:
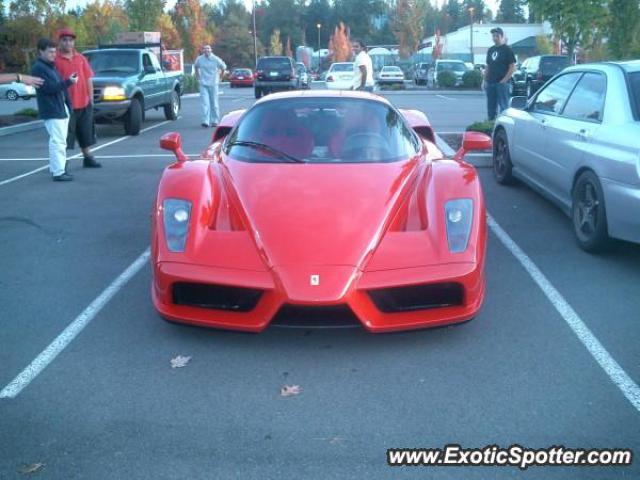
<point x="483" y="127"/>
<point x="234" y="41"/>
<point x="576" y="22"/>
<point x="191" y="84"/>
<point x="27" y="112"/>
<point x="624" y="28"/>
<point x="144" y="14"/>
<point x="446" y="79"/>
<point x="472" y="79"/>
<point x="275" y="43"/>
<point x="544" y="45"/>
<point x="285" y="16"/>
<point x="408" y="24"/>
<point x="511" y="11"/>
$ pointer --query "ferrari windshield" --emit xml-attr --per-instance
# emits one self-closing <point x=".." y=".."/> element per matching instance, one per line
<point x="322" y="130"/>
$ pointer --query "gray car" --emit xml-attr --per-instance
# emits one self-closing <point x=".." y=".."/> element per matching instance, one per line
<point x="577" y="141"/>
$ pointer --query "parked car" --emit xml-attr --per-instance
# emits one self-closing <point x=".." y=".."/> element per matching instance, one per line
<point x="15" y="90"/>
<point x="457" y="67"/>
<point x="304" y="80"/>
<point x="264" y="222"/>
<point x="274" y="74"/>
<point x="390" y="75"/>
<point x="130" y="81"/>
<point x="536" y="71"/>
<point x="340" y="76"/>
<point x="576" y="142"/>
<point x="241" y="77"/>
<point x="420" y="75"/>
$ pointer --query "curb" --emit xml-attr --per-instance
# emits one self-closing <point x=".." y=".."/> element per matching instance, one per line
<point x="21" y="127"/>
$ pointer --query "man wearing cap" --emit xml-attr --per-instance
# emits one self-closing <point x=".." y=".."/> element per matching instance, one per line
<point x="69" y="61"/>
<point x="501" y="63"/>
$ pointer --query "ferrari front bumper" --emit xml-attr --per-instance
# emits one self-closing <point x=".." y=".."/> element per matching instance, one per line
<point x="468" y="276"/>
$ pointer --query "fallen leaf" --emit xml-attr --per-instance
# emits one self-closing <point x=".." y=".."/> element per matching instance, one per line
<point x="180" y="361"/>
<point x="289" y="390"/>
<point x="33" y="468"/>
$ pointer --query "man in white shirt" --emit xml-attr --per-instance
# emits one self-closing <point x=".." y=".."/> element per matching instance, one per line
<point x="362" y="67"/>
<point x="208" y="69"/>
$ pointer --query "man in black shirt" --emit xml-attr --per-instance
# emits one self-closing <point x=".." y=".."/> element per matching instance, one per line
<point x="501" y="63"/>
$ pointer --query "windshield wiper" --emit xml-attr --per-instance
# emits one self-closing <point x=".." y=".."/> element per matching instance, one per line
<point x="262" y="146"/>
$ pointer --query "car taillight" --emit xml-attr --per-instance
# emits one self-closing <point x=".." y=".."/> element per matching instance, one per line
<point x="329" y="78"/>
<point x="255" y="74"/>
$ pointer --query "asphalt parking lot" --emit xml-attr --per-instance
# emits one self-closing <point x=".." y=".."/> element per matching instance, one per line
<point x="552" y="359"/>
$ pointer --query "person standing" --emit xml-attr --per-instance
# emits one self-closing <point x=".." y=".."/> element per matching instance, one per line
<point x="81" y="125"/>
<point x="54" y="105"/>
<point x="209" y="68"/>
<point x="501" y="63"/>
<point x="362" y="67"/>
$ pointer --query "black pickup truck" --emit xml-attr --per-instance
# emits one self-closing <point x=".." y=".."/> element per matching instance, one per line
<point x="129" y="81"/>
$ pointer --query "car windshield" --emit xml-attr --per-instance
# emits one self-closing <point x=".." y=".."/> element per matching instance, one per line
<point x="391" y="70"/>
<point x="342" y="67"/>
<point x="552" y="65"/>
<point x="113" y="61"/>
<point x="274" y="63"/>
<point x="452" y="67"/>
<point x="634" y="82"/>
<point x="322" y="130"/>
<point x="242" y="71"/>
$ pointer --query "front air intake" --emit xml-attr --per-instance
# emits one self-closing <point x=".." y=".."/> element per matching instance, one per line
<point x="315" y="316"/>
<point x="216" y="297"/>
<point x="417" y="297"/>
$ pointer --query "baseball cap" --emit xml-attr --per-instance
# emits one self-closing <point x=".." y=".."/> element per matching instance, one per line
<point x="66" y="32"/>
<point x="498" y="30"/>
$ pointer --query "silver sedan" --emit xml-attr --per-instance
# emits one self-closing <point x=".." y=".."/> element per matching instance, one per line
<point x="15" y="90"/>
<point x="577" y="142"/>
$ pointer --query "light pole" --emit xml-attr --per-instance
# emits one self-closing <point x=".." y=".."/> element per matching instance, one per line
<point x="319" y="25"/>
<point x="471" y="10"/>
<point x="255" y="38"/>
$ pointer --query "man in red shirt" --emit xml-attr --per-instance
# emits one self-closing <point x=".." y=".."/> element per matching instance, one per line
<point x="69" y="61"/>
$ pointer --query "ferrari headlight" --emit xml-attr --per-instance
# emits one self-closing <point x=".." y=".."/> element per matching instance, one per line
<point x="176" y="214"/>
<point x="459" y="218"/>
<point x="114" y="93"/>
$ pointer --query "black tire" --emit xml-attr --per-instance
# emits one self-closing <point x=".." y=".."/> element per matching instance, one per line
<point x="589" y="214"/>
<point x="258" y="92"/>
<point x="501" y="161"/>
<point x="172" y="109"/>
<point x="12" y="95"/>
<point x="133" y="118"/>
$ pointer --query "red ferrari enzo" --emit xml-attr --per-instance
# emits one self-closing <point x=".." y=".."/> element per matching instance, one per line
<point x="321" y="203"/>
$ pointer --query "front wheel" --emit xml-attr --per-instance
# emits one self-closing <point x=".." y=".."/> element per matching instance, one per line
<point x="12" y="95"/>
<point x="502" y="166"/>
<point x="589" y="214"/>
<point x="133" y="118"/>
<point x="172" y="109"/>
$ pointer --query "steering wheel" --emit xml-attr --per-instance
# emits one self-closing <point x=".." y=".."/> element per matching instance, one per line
<point x="365" y="145"/>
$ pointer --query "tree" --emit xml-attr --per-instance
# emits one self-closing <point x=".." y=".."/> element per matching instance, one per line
<point x="234" y="43"/>
<point x="408" y="25"/>
<point x="480" y="12"/>
<point x="358" y="15"/>
<point x="511" y="11"/>
<point x="102" y="21"/>
<point x="339" y="44"/>
<point x="275" y="44"/>
<point x="284" y="15"/>
<point x="575" y="22"/>
<point x="193" y="26"/>
<point x="40" y="9"/>
<point x="144" y="14"/>
<point x="624" y="28"/>
<point x="287" y="49"/>
<point x="169" y="34"/>
<point x="317" y="12"/>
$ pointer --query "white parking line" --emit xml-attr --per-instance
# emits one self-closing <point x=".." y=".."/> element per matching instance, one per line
<point x="141" y="155"/>
<point x="77" y="155"/>
<point x="445" y="97"/>
<point x="73" y="329"/>
<point x="615" y="372"/>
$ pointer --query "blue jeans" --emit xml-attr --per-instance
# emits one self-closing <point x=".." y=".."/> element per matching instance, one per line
<point x="209" y="99"/>
<point x="497" y="98"/>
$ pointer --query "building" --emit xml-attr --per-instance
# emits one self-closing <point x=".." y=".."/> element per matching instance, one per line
<point x="457" y="45"/>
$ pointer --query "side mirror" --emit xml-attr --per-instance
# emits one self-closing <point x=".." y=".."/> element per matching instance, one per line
<point x="173" y="142"/>
<point x="518" y="102"/>
<point x="473" y="142"/>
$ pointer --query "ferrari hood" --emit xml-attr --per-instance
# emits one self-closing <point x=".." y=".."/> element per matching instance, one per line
<point x="304" y="215"/>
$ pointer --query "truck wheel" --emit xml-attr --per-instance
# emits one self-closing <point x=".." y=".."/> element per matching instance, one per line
<point x="133" y="118"/>
<point x="258" y="92"/>
<point x="172" y="109"/>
